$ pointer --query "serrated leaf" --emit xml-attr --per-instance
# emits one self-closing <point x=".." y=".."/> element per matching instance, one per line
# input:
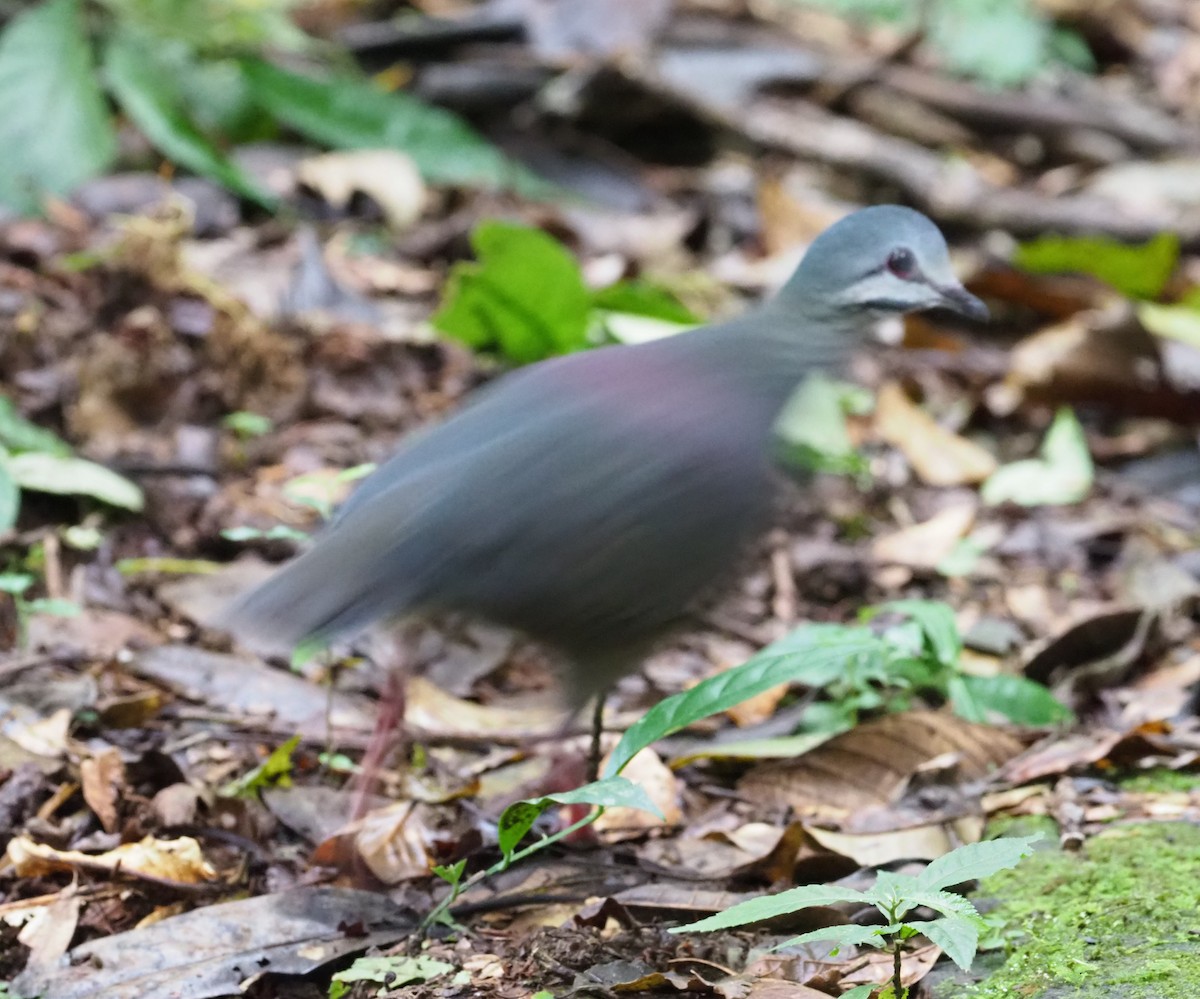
<point x="611" y="792"/>
<point x="1017" y="698"/>
<point x="1062" y="474"/>
<point x="154" y="106"/>
<point x="395" y="971"/>
<point x="975" y="861"/>
<point x="892" y="893"/>
<point x="51" y="473"/>
<point x="843" y="935"/>
<point x="524" y="297"/>
<point x="55" y="127"/>
<point x="810" y="655"/>
<point x="755" y="910"/>
<point x="945" y="902"/>
<point x="350" y="113"/>
<point x="958" y="936"/>
<point x="1139" y="271"/>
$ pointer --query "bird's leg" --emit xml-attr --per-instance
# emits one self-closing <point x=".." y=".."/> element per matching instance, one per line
<point x="389" y="734"/>
<point x="596" y="749"/>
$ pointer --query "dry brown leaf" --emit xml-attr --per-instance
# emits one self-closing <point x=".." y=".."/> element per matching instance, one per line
<point x="396" y="842"/>
<point x="926" y="842"/>
<point x="870" y="766"/>
<point x="431" y="710"/>
<point x="877" y="968"/>
<point x="938" y="456"/>
<point x="179" y="860"/>
<point x="102" y="778"/>
<point x="927" y="544"/>
<point x="386" y="176"/>
<point x="48" y="934"/>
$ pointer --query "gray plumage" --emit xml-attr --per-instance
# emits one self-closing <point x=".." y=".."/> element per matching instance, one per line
<point x="589" y="500"/>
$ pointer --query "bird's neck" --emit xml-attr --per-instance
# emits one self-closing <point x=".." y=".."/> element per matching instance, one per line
<point x="768" y="351"/>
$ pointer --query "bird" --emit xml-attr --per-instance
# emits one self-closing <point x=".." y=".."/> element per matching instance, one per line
<point x="590" y="500"/>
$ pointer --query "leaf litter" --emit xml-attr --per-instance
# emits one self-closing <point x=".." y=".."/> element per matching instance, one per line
<point x="126" y="727"/>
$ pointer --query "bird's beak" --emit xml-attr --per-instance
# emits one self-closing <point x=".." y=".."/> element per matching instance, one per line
<point x="958" y="299"/>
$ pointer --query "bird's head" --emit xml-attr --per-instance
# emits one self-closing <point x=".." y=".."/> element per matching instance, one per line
<point x="881" y="261"/>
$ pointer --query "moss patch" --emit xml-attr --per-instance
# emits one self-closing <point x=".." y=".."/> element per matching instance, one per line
<point x="1121" y="919"/>
<point x="1160" y="780"/>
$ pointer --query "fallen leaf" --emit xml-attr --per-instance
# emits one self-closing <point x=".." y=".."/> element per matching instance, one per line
<point x="870" y="766"/>
<point x="938" y="456"/>
<point x="648" y="771"/>
<point x="918" y="843"/>
<point x="386" y="176"/>
<point x="179" y="860"/>
<point x="102" y="779"/>
<point x="927" y="544"/>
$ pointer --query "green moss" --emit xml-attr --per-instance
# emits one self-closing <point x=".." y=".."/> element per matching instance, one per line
<point x="1160" y="780"/>
<point x="1122" y="918"/>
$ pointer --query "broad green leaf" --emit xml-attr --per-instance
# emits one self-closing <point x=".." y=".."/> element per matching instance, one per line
<point x="55" y="127"/>
<point x="860" y="992"/>
<point x="945" y="902"/>
<point x="810" y="655"/>
<point x="19" y="434"/>
<point x="51" y="473"/>
<point x="154" y="105"/>
<point x="524" y="297"/>
<point x="958" y="936"/>
<point x="844" y="935"/>
<point x="350" y="113"/>
<point x="755" y="910"/>
<point x="1173" y="322"/>
<point x="611" y="792"/>
<point x="10" y="496"/>
<point x="1140" y="271"/>
<point x="892" y="893"/>
<point x="1017" y="698"/>
<point x="1062" y="474"/>
<point x="975" y="861"/>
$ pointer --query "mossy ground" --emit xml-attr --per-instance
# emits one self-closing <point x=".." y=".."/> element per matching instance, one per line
<point x="1120" y="918"/>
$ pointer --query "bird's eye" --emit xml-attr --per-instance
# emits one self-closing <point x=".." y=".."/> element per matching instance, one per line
<point x="902" y="263"/>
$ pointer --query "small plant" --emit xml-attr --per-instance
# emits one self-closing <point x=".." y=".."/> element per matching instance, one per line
<point x="33" y="459"/>
<point x="319" y="491"/>
<point x="956" y="930"/>
<point x="274" y="771"/>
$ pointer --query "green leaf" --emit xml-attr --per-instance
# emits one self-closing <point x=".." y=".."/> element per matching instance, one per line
<point x="945" y="902"/>
<point x="1062" y="474"/>
<point x="812" y="428"/>
<point x="51" y="473"/>
<point x="1139" y="271"/>
<point x="55" y="128"/>
<point x="20" y="434"/>
<point x="525" y="297"/>
<point x="937" y="624"/>
<point x="811" y="655"/>
<point x="350" y="113"/>
<point x="860" y="992"/>
<point x="274" y="771"/>
<point x="611" y="792"/>
<point x="1017" y="698"/>
<point x="394" y="972"/>
<point x="641" y="298"/>
<point x="152" y="102"/>
<point x="1173" y="322"/>
<point x="755" y="910"/>
<point x="958" y="936"/>
<point x="451" y="873"/>
<point x="1004" y="42"/>
<point x="10" y="496"/>
<point x="975" y="861"/>
<point x="844" y="935"/>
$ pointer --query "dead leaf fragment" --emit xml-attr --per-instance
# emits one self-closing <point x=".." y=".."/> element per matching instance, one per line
<point x="927" y="544"/>
<point x="648" y="771"/>
<point x="386" y="176"/>
<point x="179" y="860"/>
<point x="102" y="778"/>
<point x="938" y="456"/>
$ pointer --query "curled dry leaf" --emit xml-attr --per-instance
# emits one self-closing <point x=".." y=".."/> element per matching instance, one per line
<point x="927" y="544"/>
<point x="870" y="766"/>
<point x="179" y="860"/>
<point x="436" y="713"/>
<point x="938" y="456"/>
<point x="927" y="842"/>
